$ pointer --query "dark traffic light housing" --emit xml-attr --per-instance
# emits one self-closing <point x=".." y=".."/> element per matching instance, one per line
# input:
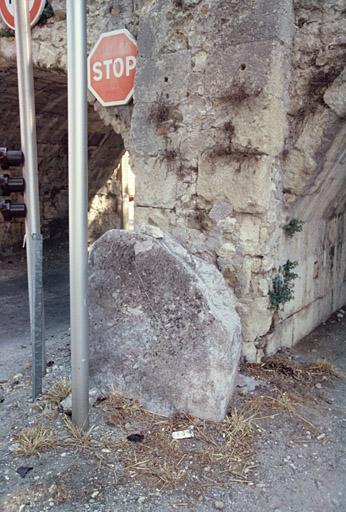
<point x="11" y="210"/>
<point x="9" y="185"/>
<point x="10" y="158"/>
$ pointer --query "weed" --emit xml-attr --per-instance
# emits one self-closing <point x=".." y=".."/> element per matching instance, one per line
<point x="47" y="13"/>
<point x="82" y="438"/>
<point x="281" y="403"/>
<point x="170" y="154"/>
<point x="58" y="392"/>
<point x="294" y="226"/>
<point x="160" y="112"/>
<point x="6" y="32"/>
<point x="59" y="492"/>
<point x="238" y="93"/>
<point x="239" y="436"/>
<point x="33" y="440"/>
<point x="165" y="116"/>
<point x="320" y="81"/>
<point x="283" y="284"/>
<point x="323" y="370"/>
<point x="287" y="374"/>
<point x="229" y="128"/>
<point x="170" y="462"/>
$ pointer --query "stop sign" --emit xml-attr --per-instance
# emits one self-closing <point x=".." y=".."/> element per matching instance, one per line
<point x="112" y="68"/>
<point x="7" y="11"/>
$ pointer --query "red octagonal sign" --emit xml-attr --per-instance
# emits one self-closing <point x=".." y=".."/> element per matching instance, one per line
<point x="112" y="68"/>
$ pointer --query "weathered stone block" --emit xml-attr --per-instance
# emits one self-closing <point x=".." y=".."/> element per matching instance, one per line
<point x="253" y="20"/>
<point x="167" y="78"/>
<point x="307" y="157"/>
<point x="254" y="130"/>
<point x="241" y="71"/>
<point x="162" y="218"/>
<point x="157" y="184"/>
<point x="244" y="180"/>
<point x="163" y="325"/>
<point x="250" y="353"/>
<point x="335" y="95"/>
<point x="256" y="317"/>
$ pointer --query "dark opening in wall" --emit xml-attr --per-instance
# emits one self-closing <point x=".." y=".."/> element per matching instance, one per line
<point x="105" y="151"/>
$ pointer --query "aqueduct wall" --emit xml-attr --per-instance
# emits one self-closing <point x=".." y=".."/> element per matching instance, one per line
<point x="236" y="129"/>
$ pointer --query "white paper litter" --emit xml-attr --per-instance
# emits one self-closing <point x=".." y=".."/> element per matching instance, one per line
<point x="183" y="434"/>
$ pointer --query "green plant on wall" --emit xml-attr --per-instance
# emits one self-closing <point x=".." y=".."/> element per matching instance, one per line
<point x="6" y="32"/>
<point x="46" y="14"/>
<point x="294" y="226"/>
<point x="283" y="284"/>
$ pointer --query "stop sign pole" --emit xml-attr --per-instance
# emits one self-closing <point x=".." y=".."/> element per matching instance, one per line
<point x="78" y="207"/>
<point x="34" y="240"/>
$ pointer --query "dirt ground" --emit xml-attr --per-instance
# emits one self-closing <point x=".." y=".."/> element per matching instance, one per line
<point x="281" y="449"/>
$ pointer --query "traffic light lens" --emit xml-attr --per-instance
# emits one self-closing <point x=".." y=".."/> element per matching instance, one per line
<point x="14" y="158"/>
<point x="10" y="158"/>
<point x="10" y="185"/>
<point x="11" y="210"/>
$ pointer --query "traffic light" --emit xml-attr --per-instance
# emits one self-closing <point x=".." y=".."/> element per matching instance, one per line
<point x="11" y="210"/>
<point x="8" y="158"/>
<point x="9" y="185"/>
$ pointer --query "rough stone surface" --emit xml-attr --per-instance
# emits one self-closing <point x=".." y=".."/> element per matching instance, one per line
<point x="237" y="126"/>
<point x="163" y="325"/>
<point x="252" y="136"/>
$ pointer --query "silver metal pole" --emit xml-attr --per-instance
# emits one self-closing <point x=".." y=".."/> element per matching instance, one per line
<point x="30" y="173"/>
<point x="37" y="325"/>
<point x="78" y="207"/>
<point x="27" y="113"/>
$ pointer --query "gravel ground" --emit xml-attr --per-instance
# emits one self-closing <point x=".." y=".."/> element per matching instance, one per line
<point x="295" y="468"/>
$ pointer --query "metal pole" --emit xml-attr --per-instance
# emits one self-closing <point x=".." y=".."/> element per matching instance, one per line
<point x="37" y="324"/>
<point x="78" y="207"/>
<point x="30" y="173"/>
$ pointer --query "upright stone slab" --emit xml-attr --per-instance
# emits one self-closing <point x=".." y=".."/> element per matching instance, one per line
<point x="163" y="328"/>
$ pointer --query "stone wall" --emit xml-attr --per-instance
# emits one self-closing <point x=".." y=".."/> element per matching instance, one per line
<point x="237" y="127"/>
<point x="314" y="164"/>
<point x="251" y="138"/>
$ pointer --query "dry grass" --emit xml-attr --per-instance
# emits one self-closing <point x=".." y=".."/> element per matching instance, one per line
<point x="59" y="492"/>
<point x="58" y="392"/>
<point x="287" y="374"/>
<point x="158" y="456"/>
<point x="292" y="385"/>
<point x="80" y="437"/>
<point x="218" y="452"/>
<point x="87" y="443"/>
<point x="225" y="446"/>
<point x="38" y="495"/>
<point x="34" y="440"/>
<point x="290" y="404"/>
<point x="237" y="449"/>
<point x="323" y="370"/>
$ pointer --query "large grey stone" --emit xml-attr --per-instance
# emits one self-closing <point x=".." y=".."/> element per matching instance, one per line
<point x="163" y="325"/>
